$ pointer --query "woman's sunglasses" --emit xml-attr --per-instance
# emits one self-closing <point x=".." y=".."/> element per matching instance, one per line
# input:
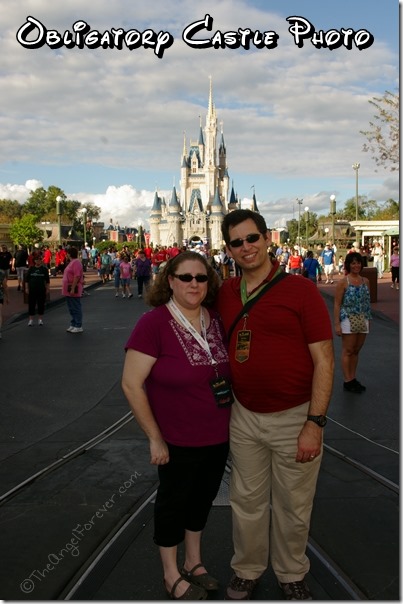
<point x="187" y="278"/>
<point x="249" y="238"/>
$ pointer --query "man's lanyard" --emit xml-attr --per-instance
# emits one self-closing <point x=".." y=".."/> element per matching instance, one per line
<point x="201" y="339"/>
<point x="273" y="273"/>
<point x="244" y="335"/>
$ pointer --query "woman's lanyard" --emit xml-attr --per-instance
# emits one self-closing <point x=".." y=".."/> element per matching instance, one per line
<point x="201" y="339"/>
<point x="220" y="386"/>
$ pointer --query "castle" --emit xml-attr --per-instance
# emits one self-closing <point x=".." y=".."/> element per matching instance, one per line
<point x="194" y="216"/>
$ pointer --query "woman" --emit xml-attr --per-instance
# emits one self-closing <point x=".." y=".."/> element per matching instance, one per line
<point x="72" y="289"/>
<point x="352" y="312"/>
<point x="116" y="275"/>
<point x="38" y="287"/>
<point x="295" y="263"/>
<point x="311" y="266"/>
<point x="142" y="267"/>
<point x="125" y="276"/>
<point x="176" y="380"/>
<point x="3" y="294"/>
<point x="395" y="267"/>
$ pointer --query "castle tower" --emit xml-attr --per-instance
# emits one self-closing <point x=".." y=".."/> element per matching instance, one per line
<point x="196" y="214"/>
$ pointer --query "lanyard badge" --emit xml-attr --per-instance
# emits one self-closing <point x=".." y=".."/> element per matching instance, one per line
<point x="242" y="347"/>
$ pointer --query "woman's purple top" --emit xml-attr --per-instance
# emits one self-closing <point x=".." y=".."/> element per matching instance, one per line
<point x="178" y="386"/>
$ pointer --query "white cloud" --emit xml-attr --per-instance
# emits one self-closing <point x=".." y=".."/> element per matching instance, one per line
<point x="19" y="193"/>
<point x="123" y="205"/>
<point x="291" y="116"/>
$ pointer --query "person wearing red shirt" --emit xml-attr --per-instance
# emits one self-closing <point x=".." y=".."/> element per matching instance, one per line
<point x="60" y="259"/>
<point x="47" y="257"/>
<point x="159" y="256"/>
<point x="276" y="432"/>
<point x="173" y="251"/>
<point x="148" y="251"/>
<point x="295" y="263"/>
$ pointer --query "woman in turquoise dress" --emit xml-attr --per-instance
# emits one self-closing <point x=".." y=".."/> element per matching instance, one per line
<point x="352" y="312"/>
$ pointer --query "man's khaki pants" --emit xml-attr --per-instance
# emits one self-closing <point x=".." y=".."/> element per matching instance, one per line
<point x="263" y="449"/>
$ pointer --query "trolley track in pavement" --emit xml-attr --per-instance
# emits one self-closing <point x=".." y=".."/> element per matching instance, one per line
<point x="90" y="444"/>
<point x="330" y="575"/>
<point x="327" y="577"/>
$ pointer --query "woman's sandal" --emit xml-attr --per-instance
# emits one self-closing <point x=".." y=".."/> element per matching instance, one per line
<point x="193" y="592"/>
<point x="204" y="580"/>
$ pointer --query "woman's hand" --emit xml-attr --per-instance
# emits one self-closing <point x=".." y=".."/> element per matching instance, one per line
<point x="337" y="329"/>
<point x="159" y="452"/>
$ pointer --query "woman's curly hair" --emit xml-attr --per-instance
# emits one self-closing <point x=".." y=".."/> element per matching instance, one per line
<point x="160" y="291"/>
<point x="350" y="258"/>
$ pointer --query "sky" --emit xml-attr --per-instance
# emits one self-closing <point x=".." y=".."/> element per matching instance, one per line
<point x="107" y="125"/>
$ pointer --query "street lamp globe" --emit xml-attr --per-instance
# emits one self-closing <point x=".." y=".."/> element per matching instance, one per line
<point x="59" y="218"/>
<point x="84" y="211"/>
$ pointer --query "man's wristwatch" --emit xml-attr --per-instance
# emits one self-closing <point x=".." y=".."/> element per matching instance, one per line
<point x="320" y="420"/>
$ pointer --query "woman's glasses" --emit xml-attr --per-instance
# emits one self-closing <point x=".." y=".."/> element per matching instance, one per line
<point x="249" y="238"/>
<point x="187" y="278"/>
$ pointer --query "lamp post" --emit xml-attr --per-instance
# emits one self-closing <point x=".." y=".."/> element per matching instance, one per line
<point x="59" y="218"/>
<point x="333" y="212"/>
<point x="306" y="209"/>
<point x="84" y="211"/>
<point x="299" y="202"/>
<point x="140" y="233"/>
<point x="356" y="167"/>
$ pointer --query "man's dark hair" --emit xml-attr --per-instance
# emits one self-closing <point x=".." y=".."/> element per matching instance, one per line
<point x="350" y="258"/>
<point x="236" y="217"/>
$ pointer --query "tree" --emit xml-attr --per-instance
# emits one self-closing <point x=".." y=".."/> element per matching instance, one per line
<point x="9" y="210"/>
<point x="25" y="232"/>
<point x="348" y="213"/>
<point x="390" y="210"/>
<point x="383" y="136"/>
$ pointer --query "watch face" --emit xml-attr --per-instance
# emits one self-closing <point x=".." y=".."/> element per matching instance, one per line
<point x="321" y="420"/>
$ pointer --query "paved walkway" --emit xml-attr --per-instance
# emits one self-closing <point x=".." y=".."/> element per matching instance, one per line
<point x="16" y="307"/>
<point x="388" y="304"/>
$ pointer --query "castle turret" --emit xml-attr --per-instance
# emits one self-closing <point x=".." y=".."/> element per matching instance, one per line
<point x="155" y="219"/>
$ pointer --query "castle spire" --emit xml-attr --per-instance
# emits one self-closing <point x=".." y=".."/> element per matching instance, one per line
<point x="184" y="152"/>
<point x="210" y="101"/>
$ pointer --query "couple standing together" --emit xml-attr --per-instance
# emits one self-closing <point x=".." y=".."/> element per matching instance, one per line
<point x="181" y="361"/>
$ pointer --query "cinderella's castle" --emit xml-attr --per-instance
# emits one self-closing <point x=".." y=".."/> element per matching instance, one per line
<point x="196" y="213"/>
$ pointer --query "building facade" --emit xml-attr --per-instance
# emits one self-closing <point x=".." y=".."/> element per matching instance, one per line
<point x="193" y="215"/>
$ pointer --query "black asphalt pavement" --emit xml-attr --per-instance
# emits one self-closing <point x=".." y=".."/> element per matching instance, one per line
<point x="60" y="389"/>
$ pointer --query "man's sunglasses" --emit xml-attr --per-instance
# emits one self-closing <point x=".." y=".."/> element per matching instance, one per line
<point x="249" y="238"/>
<point x="187" y="278"/>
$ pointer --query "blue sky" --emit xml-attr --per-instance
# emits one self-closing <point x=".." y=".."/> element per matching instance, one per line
<point x="106" y="126"/>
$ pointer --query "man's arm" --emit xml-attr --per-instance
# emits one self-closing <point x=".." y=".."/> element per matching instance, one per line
<point x="311" y="435"/>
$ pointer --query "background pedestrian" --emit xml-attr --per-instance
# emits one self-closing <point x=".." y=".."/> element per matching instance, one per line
<point x="352" y="312"/>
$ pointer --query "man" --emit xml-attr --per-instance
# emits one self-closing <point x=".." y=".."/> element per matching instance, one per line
<point x="328" y="262"/>
<point x="20" y="264"/>
<point x="5" y="260"/>
<point x="377" y="253"/>
<point x="279" y="411"/>
<point x="60" y="259"/>
<point x="173" y="251"/>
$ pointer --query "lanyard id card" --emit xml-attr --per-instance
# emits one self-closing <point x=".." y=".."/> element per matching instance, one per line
<point x="242" y="347"/>
<point x="222" y="392"/>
